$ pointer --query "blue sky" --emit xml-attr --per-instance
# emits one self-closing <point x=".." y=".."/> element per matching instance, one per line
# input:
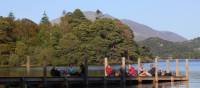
<point x="179" y="16"/>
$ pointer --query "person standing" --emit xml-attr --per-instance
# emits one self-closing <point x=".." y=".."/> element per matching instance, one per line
<point x="82" y="72"/>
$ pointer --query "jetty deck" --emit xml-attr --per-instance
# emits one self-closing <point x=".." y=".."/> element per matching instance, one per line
<point x="4" y="80"/>
<point x="32" y="82"/>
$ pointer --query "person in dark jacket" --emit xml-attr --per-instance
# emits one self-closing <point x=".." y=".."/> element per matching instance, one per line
<point x="82" y="72"/>
<point x="53" y="71"/>
<point x="152" y="70"/>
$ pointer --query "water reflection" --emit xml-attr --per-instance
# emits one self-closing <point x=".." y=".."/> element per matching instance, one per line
<point x="154" y="85"/>
<point x="163" y="85"/>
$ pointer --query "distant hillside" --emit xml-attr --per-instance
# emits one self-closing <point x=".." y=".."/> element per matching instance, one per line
<point x="166" y="48"/>
<point x="141" y="31"/>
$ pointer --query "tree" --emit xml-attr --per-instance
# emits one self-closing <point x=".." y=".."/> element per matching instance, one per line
<point x="72" y="40"/>
<point x="64" y="25"/>
<point x="6" y="27"/>
<point x="45" y="19"/>
<point x="78" y="14"/>
<point x="45" y="23"/>
<point x="99" y="14"/>
<point x="69" y="45"/>
<point x="25" y="29"/>
<point x="11" y="15"/>
<point x="76" y="18"/>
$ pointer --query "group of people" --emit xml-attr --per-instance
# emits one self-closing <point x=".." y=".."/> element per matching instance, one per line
<point x="131" y="71"/>
<point x="71" y="70"/>
<point x="151" y="72"/>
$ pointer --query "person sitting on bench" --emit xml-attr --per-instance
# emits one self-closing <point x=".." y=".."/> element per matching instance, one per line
<point x="54" y="72"/>
<point x="108" y="70"/>
<point x="152" y="70"/>
<point x="132" y="71"/>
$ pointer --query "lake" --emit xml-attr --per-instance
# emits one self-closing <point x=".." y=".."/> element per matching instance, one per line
<point x="194" y="74"/>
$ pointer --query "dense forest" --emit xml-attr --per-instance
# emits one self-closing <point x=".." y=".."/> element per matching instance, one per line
<point x="164" y="48"/>
<point x="72" y="40"/>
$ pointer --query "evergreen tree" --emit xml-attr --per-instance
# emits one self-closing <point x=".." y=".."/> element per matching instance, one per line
<point x="98" y="12"/>
<point x="11" y="15"/>
<point x="78" y="14"/>
<point x="45" y="19"/>
<point x="45" y="24"/>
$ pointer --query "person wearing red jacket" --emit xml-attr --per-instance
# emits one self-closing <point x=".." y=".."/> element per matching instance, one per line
<point x="132" y="71"/>
<point x="108" y="70"/>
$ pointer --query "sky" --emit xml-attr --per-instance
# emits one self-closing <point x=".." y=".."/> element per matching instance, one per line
<point x="178" y="16"/>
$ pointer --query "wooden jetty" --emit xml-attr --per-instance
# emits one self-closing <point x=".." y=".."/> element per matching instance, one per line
<point x="44" y="81"/>
<point x="80" y="81"/>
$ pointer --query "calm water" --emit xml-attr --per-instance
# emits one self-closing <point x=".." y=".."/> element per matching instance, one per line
<point x="194" y="74"/>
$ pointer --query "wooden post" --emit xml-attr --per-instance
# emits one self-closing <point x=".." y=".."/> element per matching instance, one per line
<point x="177" y="70"/>
<point x="123" y="63"/>
<point x="28" y="65"/>
<point x="156" y="71"/>
<point x="105" y="74"/>
<point x="155" y="84"/>
<point x="139" y="79"/>
<point x="167" y="66"/>
<point x="186" y="69"/>
<point x="187" y="84"/>
<point x="123" y="79"/>
<point x="138" y="65"/>
<point x="105" y="64"/>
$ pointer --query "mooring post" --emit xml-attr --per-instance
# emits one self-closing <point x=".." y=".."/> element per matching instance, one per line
<point x="186" y="69"/>
<point x="124" y="69"/>
<point x="105" y="74"/>
<point x="28" y="65"/>
<point x="138" y="65"/>
<point x="167" y="66"/>
<point x="139" y="79"/>
<point x="123" y="77"/>
<point x="187" y="84"/>
<point x="177" y="70"/>
<point x="156" y="71"/>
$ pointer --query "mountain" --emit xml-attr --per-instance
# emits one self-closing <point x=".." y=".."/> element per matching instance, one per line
<point x="164" y="48"/>
<point x="141" y="31"/>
